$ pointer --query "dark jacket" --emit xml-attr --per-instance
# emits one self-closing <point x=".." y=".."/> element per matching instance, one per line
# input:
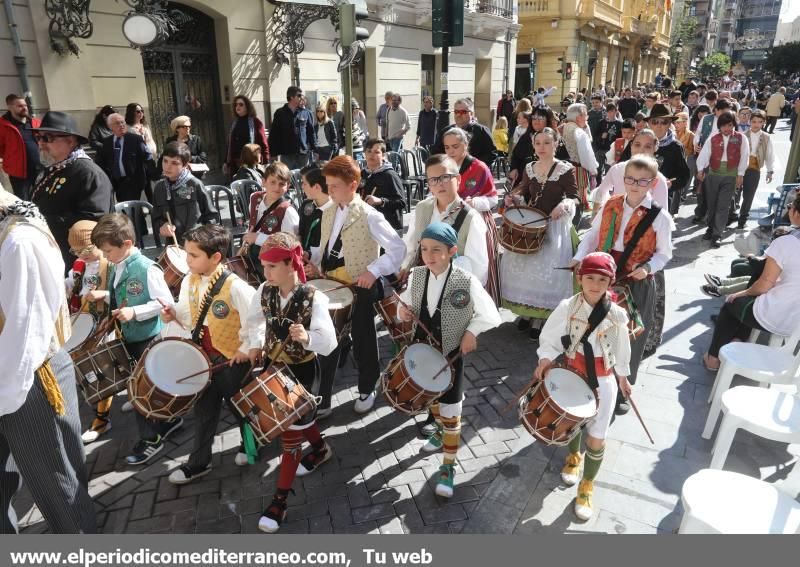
<point x="188" y="206"/>
<point x="239" y="135"/>
<point x="505" y="107"/>
<point x="628" y="107"/>
<point x="388" y="186"/>
<point x="249" y="174"/>
<point x="97" y="133"/>
<point x="292" y="132"/>
<point x="330" y="135"/>
<point x="612" y="128"/>
<point x="426" y="127"/>
<point x="195" y="146"/>
<point x="481" y="144"/>
<point x="136" y="159"/>
<point x="522" y="155"/>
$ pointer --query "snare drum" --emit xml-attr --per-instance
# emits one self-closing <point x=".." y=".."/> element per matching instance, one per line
<point x="520" y="232"/>
<point x="173" y="263"/>
<point x="242" y="266"/>
<point x="400" y="331"/>
<point x="340" y="304"/>
<point x="624" y="298"/>
<point x="104" y="372"/>
<point x="273" y="402"/>
<point x="411" y="384"/>
<point x="554" y="409"/>
<point x="154" y="389"/>
<point x="83" y="326"/>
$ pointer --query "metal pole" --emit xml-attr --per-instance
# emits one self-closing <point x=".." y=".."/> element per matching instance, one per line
<point x="19" y="57"/>
<point x="443" y="119"/>
<point x="348" y="111"/>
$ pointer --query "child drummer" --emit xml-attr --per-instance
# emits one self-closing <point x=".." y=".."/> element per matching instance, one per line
<point x="89" y="272"/>
<point x="454" y="306"/>
<point x="139" y="283"/>
<point x="293" y="322"/>
<point x="596" y="352"/>
<point x="212" y="305"/>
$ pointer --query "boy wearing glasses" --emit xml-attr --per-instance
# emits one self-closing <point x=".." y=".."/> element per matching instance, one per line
<point x="638" y="235"/>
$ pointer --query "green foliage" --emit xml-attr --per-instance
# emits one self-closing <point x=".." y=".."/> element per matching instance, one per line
<point x="715" y="65"/>
<point x="784" y="59"/>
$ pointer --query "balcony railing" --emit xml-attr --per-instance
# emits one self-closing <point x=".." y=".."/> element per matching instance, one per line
<point x="538" y="8"/>
<point x="603" y="10"/>
<point x="502" y="8"/>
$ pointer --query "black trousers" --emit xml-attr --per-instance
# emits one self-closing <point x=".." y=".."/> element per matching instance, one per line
<point x="127" y="189"/>
<point x="225" y="383"/>
<point x="772" y="121"/>
<point x="328" y="365"/>
<point x="365" y="338"/>
<point x="735" y="321"/>
<point x="149" y="429"/>
<point x="751" y="178"/>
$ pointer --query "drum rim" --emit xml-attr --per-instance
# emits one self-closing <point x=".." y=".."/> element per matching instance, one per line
<point x="524" y="207"/>
<point x="141" y="368"/>
<point x="340" y="282"/>
<point x="583" y="380"/>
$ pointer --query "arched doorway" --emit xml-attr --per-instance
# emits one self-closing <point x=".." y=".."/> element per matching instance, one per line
<point x="181" y="78"/>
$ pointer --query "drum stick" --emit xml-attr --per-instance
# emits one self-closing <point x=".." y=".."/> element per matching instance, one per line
<point x="174" y="240"/>
<point x="347" y="285"/>
<point x="545" y="219"/>
<point x="285" y="342"/>
<point x="165" y="306"/>
<point x="638" y="415"/>
<point x="519" y="210"/>
<point x="524" y="389"/>
<point x="448" y="364"/>
<point x="416" y="319"/>
<point x="199" y="372"/>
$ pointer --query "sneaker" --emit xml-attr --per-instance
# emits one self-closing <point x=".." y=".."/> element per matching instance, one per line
<point x="570" y="474"/>
<point x="270" y="521"/>
<point x="622" y="408"/>
<point x="435" y="440"/>
<point x="241" y="459"/>
<point x="127" y="407"/>
<point x="428" y="427"/>
<point x="314" y="459"/>
<point x="444" y="486"/>
<point x="716" y="242"/>
<point x="187" y="474"/>
<point x="713" y="280"/>
<point x="534" y="333"/>
<point x="364" y="403"/>
<point x="99" y="427"/>
<point x="710" y="290"/>
<point x="707" y="235"/>
<point x="583" y="502"/>
<point x="171" y="427"/>
<point x="144" y="450"/>
<point x="742" y="224"/>
<point x="323" y="413"/>
<point x="523" y="324"/>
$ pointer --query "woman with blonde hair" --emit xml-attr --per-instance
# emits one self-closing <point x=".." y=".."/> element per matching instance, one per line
<point x="325" y="132"/>
<point x="181" y="127"/>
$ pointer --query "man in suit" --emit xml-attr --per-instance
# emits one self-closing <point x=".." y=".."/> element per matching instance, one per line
<point x="126" y="160"/>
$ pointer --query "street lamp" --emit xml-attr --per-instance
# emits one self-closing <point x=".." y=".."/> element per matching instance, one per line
<point x="149" y="22"/>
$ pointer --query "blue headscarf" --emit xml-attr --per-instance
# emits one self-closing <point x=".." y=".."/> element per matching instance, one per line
<point x="442" y="232"/>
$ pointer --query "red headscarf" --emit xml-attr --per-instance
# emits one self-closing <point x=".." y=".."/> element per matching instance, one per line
<point x="276" y="250"/>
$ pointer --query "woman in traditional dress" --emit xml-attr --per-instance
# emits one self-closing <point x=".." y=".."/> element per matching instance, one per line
<point x="531" y="284"/>
<point x="477" y="189"/>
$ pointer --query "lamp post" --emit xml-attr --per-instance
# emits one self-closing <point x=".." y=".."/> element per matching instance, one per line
<point x="679" y="54"/>
<point x="149" y="22"/>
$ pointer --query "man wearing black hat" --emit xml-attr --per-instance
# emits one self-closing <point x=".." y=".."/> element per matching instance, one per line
<point x="71" y="187"/>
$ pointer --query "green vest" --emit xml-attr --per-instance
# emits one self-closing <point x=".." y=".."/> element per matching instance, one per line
<point x="132" y="287"/>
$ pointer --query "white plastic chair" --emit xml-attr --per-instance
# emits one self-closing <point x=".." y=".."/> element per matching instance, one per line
<point x="764" y="364"/>
<point x="724" y="502"/>
<point x="772" y="414"/>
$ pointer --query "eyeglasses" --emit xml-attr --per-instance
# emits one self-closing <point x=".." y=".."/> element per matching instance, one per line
<point x="644" y="182"/>
<point x="441" y="179"/>
<point x="48" y="138"/>
<point x="659" y="121"/>
<point x="461" y="112"/>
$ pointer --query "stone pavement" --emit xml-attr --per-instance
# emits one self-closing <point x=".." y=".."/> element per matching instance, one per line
<point x="378" y="482"/>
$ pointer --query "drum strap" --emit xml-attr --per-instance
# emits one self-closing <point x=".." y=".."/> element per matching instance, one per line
<point x="269" y="210"/>
<point x="596" y="317"/>
<point x="197" y="332"/>
<point x="638" y="232"/>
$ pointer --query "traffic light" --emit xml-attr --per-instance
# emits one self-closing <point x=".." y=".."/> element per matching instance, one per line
<point x="350" y="15"/>
<point x="568" y="71"/>
<point x="592" y="62"/>
<point x="562" y="66"/>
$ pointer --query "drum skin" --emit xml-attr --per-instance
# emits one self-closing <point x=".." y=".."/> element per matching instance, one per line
<point x="518" y="237"/>
<point x="403" y="392"/>
<point x="273" y="402"/>
<point x="83" y="327"/>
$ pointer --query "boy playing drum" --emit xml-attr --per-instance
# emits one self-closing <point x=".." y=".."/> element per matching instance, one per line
<point x="591" y="331"/>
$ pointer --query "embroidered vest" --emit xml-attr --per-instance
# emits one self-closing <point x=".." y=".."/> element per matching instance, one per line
<point x="299" y="307"/>
<point x="272" y="222"/>
<point x="570" y="143"/>
<point x="759" y="151"/>
<point x="358" y="247"/>
<point x="457" y="305"/>
<point x="62" y="329"/>
<point x="132" y="287"/>
<point x="98" y="281"/>
<point x="424" y="214"/>
<point x="610" y="226"/>
<point x="605" y="334"/>
<point x="223" y="321"/>
<point x="734" y="153"/>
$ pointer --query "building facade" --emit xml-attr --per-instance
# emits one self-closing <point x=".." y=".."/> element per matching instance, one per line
<point x="630" y="39"/>
<point x="756" y="28"/>
<point x="222" y="49"/>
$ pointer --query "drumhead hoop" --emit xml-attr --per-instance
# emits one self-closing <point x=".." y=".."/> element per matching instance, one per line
<point x="172" y="359"/>
<point x="82" y="329"/>
<point x="177" y="256"/>
<point x="520" y="215"/>
<point x="422" y="361"/>
<point x="337" y="299"/>
<point x="570" y="392"/>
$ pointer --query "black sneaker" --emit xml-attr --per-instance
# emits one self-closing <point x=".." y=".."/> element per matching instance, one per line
<point x="144" y="450"/>
<point x="741" y="225"/>
<point x="716" y="242"/>
<point x="523" y="324"/>
<point x="314" y="459"/>
<point x="534" y="333"/>
<point x="170" y="427"/>
<point x="708" y="235"/>
<point x="622" y="408"/>
<point x="187" y="474"/>
<point x="271" y="519"/>
<point x="427" y="427"/>
<point x="713" y="280"/>
<point x="710" y="290"/>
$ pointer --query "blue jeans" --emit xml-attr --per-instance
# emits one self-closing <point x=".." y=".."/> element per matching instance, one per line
<point x="395" y="144"/>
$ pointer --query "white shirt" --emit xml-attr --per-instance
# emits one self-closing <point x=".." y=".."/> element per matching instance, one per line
<point x="290" y="223"/>
<point x="754" y="138"/>
<point x="474" y="257"/>
<point x="585" y="151"/>
<point x="321" y="332"/>
<point x="30" y="305"/>
<point x="394" y="249"/>
<point x="398" y="122"/>
<point x="241" y="297"/>
<point x="662" y="225"/>
<point x="156" y="287"/>
<point x="778" y="310"/>
<point x="704" y="158"/>
<point x="485" y="315"/>
<point x="614" y="183"/>
<point x="538" y="98"/>
<point x="484" y="203"/>
<point x="556" y="326"/>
